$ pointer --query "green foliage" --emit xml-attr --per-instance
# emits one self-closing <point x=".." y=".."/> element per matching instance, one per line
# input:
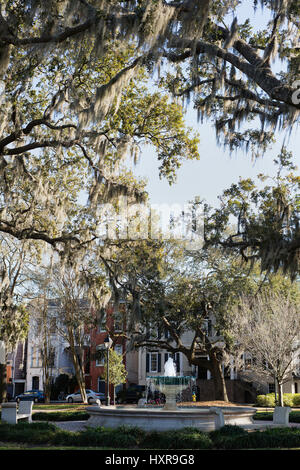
<point x="63" y="383"/>
<point x="268" y="400"/>
<point x="117" y="370"/>
<point x="187" y="438"/>
<point x="266" y="217"/>
<point x="34" y="433"/>
<point x="228" y="437"/>
<point x="267" y="439"/>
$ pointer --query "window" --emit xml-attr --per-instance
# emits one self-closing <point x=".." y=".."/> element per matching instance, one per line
<point x="118" y="321"/>
<point x="100" y="351"/>
<point x="153" y="362"/>
<point x="119" y="349"/>
<point x="102" y="322"/>
<point x="36" y="357"/>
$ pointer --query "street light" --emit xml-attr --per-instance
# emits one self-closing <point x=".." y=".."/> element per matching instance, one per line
<point x="107" y="344"/>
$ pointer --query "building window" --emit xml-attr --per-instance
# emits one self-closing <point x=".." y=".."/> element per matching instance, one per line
<point x="118" y="321"/>
<point x="100" y="351"/>
<point x="36" y="357"/>
<point x="119" y="349"/>
<point x="153" y="362"/>
<point x="102" y="322"/>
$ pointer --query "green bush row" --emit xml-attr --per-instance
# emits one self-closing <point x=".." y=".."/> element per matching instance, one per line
<point x="268" y="400"/>
<point x="228" y="437"/>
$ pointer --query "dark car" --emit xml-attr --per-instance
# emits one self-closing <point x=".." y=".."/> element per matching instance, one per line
<point x="35" y="395"/>
<point x="131" y="395"/>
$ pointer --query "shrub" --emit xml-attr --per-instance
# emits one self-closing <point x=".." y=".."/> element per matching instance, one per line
<point x="268" y="439"/>
<point x="36" y="433"/>
<point x="266" y="400"/>
<point x="186" y="438"/>
<point x="296" y="399"/>
<point x="288" y="399"/>
<point x="121" y="437"/>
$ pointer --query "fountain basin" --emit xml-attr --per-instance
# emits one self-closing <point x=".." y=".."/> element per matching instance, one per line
<point x="170" y="386"/>
<point x="203" y="418"/>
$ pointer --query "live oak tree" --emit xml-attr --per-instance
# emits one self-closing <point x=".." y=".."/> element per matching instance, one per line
<point x="69" y="117"/>
<point x="196" y="294"/>
<point x="62" y="88"/>
<point x="190" y="290"/>
<point x="260" y="219"/>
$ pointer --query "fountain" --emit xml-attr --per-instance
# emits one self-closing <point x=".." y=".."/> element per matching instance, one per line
<point x="170" y="384"/>
<point x="169" y="416"/>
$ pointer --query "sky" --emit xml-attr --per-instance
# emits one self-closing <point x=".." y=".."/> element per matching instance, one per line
<point x="217" y="168"/>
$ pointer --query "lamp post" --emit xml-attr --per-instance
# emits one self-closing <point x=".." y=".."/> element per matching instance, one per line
<point x="107" y="344"/>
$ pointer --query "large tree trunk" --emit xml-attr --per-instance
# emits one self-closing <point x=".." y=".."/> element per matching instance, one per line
<point x="218" y="377"/>
<point x="79" y="372"/>
<point x="280" y="393"/>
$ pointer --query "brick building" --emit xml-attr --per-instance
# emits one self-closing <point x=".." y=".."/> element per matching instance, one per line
<point x="114" y="324"/>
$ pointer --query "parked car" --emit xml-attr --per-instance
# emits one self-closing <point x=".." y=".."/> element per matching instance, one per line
<point x="35" y="395"/>
<point x="131" y="395"/>
<point x="91" y="395"/>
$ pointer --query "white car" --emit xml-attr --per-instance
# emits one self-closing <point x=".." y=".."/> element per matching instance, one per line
<point x="91" y="395"/>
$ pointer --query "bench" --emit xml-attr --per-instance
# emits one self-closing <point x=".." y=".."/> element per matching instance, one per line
<point x="10" y="414"/>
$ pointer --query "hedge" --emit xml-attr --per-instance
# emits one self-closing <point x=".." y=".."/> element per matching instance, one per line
<point x="268" y="400"/>
<point x="228" y="437"/>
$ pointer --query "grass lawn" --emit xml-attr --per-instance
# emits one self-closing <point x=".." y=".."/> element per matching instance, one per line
<point x="268" y="416"/>
<point x="58" y="406"/>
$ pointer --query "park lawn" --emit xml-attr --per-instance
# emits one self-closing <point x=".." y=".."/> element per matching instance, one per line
<point x="58" y="406"/>
<point x="294" y="416"/>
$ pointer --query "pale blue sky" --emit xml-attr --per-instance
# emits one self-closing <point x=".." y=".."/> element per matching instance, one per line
<point x="217" y="168"/>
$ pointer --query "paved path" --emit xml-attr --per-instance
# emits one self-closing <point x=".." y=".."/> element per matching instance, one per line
<point x="74" y="426"/>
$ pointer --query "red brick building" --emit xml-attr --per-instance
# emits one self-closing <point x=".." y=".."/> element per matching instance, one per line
<point x="113" y="324"/>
